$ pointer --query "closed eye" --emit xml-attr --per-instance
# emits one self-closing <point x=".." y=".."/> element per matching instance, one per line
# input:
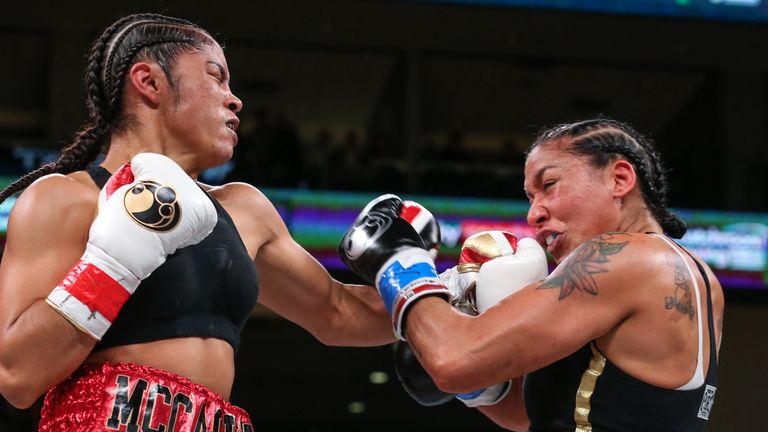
<point x="218" y="72"/>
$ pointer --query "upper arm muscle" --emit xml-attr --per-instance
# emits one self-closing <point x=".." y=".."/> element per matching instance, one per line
<point x="580" y="301"/>
<point x="47" y="232"/>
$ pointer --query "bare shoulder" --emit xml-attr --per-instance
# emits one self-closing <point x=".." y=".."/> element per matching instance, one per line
<point x="238" y="195"/>
<point x="54" y="212"/>
<point x="74" y="182"/>
<point x="256" y="218"/>
<point x="609" y="264"/>
<point x="58" y="198"/>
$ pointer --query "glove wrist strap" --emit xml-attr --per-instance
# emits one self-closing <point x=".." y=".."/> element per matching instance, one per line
<point x="487" y="396"/>
<point x="89" y="298"/>
<point x="405" y="277"/>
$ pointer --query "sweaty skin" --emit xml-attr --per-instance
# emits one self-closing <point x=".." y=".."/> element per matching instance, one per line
<point x="614" y="284"/>
<point x="193" y="122"/>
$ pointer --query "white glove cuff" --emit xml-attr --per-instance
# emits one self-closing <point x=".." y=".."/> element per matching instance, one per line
<point x="78" y="314"/>
<point x="487" y="396"/>
<point x="89" y="297"/>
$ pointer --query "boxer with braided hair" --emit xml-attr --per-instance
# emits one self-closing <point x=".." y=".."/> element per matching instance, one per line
<point x="604" y="139"/>
<point x="104" y="90"/>
<point x="623" y="335"/>
<point x="124" y="286"/>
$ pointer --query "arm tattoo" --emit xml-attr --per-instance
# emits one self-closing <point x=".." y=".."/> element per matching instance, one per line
<point x="576" y="271"/>
<point x="681" y="300"/>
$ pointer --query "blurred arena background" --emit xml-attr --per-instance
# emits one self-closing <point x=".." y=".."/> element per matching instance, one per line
<point x="346" y="99"/>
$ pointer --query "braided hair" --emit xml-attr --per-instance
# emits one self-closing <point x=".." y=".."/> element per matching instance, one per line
<point x="139" y="37"/>
<point x="603" y="140"/>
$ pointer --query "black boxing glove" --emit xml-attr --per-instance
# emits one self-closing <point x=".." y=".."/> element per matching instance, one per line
<point x="384" y="248"/>
<point x="415" y="379"/>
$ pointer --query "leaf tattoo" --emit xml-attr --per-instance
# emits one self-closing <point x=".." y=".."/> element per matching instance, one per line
<point x="588" y="259"/>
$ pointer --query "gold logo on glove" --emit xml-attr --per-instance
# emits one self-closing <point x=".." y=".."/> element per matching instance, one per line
<point x="153" y="205"/>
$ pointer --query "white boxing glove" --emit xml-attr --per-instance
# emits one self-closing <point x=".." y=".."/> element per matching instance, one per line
<point x="487" y="396"/>
<point x="500" y="277"/>
<point x="147" y="210"/>
<point x="497" y="279"/>
<point x="477" y="249"/>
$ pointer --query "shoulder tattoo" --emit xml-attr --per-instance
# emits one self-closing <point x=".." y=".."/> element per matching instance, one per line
<point x="681" y="299"/>
<point x="590" y="258"/>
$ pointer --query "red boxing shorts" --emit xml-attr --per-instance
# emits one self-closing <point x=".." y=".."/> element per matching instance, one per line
<point x="129" y="397"/>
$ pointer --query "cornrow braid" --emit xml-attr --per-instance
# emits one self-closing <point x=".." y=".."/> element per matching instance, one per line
<point x="115" y="94"/>
<point x="145" y="36"/>
<point x="602" y="140"/>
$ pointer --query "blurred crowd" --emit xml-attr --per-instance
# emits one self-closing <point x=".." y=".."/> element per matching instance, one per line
<point x="274" y="151"/>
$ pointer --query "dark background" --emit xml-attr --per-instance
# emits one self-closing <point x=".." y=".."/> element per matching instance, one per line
<point x="431" y="99"/>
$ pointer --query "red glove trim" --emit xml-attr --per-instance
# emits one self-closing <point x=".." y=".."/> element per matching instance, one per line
<point x="469" y="255"/>
<point x="416" y="292"/>
<point x="410" y="210"/>
<point x="95" y="289"/>
<point x="123" y="176"/>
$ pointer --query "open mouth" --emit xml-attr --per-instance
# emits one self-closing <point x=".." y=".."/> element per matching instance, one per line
<point x="551" y="239"/>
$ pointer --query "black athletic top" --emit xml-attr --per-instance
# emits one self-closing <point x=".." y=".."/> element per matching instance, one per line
<point x="203" y="290"/>
<point x="585" y="389"/>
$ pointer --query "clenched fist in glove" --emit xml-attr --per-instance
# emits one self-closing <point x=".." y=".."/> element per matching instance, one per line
<point x="385" y="248"/>
<point x="492" y="265"/>
<point x="147" y="210"/>
<point x="460" y="280"/>
<point x="496" y="279"/>
<point x="476" y="250"/>
<point x="415" y="380"/>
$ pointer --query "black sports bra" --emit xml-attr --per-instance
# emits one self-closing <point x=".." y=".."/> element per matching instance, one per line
<point x="585" y="391"/>
<point x="204" y="290"/>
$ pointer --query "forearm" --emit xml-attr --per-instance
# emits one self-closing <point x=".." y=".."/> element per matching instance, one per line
<point x="360" y="318"/>
<point x="462" y="353"/>
<point x="37" y="351"/>
<point x="441" y="336"/>
<point x="337" y="314"/>
<point x="509" y="413"/>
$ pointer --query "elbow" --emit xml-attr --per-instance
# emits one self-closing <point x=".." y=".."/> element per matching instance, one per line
<point x="333" y="332"/>
<point x="337" y="327"/>
<point x="448" y="372"/>
<point x="352" y="316"/>
<point x="449" y="360"/>
<point x="21" y="402"/>
<point x="20" y="386"/>
<point x="326" y="323"/>
<point x="328" y="330"/>
<point x="325" y="337"/>
<point x="16" y="391"/>
<point x="513" y="425"/>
